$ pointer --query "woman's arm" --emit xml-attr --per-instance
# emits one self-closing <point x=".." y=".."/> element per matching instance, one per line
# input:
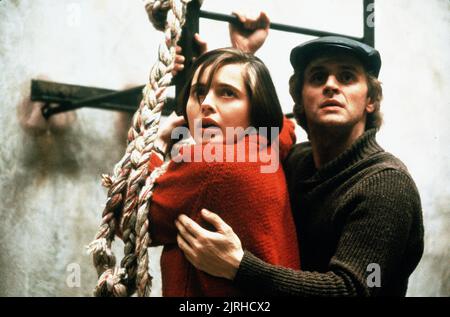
<point x="251" y="33"/>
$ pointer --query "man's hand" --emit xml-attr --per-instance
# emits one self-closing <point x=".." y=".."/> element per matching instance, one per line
<point x="252" y="34"/>
<point x="217" y="253"/>
<point x="179" y="61"/>
<point x="201" y="43"/>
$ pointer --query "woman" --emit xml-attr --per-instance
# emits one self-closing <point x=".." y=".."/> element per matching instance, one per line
<point x="227" y="89"/>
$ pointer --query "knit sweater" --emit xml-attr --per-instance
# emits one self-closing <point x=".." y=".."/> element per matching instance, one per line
<point x="256" y="205"/>
<point x="359" y="224"/>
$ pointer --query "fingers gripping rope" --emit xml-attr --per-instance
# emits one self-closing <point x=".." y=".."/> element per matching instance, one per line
<point x="130" y="186"/>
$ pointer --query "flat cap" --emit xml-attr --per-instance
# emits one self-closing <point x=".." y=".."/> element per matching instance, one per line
<point x="302" y="54"/>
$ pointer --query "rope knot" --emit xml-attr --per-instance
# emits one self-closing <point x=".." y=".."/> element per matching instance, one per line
<point x="157" y="12"/>
<point x="102" y="255"/>
<point x="112" y="283"/>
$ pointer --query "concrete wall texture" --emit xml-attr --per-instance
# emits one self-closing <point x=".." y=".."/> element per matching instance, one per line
<point x="51" y="196"/>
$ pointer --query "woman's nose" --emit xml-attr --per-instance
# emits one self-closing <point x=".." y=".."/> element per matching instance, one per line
<point x="208" y="104"/>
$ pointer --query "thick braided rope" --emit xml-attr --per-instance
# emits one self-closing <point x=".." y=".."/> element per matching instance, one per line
<point x="160" y="75"/>
<point x="131" y="172"/>
<point x="157" y="11"/>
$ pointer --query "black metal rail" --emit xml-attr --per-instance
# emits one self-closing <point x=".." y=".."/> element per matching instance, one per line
<point x="274" y="26"/>
<point x="60" y="97"/>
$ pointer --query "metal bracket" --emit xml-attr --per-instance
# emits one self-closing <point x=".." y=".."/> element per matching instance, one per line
<point x="59" y="97"/>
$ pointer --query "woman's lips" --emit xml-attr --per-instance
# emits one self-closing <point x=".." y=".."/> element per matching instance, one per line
<point x="209" y="123"/>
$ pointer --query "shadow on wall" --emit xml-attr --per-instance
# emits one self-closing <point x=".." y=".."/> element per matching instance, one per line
<point x="50" y="146"/>
<point x="54" y="144"/>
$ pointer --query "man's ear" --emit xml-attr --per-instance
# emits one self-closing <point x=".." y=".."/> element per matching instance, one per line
<point x="370" y="107"/>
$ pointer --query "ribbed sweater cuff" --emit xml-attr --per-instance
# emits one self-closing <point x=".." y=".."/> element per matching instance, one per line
<point x="249" y="271"/>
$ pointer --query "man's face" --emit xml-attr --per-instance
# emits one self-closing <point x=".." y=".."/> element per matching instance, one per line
<point x="334" y="93"/>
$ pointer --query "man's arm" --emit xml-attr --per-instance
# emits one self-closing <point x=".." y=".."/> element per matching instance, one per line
<point x="376" y="231"/>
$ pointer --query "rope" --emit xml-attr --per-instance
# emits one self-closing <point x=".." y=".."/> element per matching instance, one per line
<point x="130" y="186"/>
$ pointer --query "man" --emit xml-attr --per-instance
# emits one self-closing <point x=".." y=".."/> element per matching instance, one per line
<point x="357" y="209"/>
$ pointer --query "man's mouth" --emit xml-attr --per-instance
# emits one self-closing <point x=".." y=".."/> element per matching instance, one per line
<point x="331" y="103"/>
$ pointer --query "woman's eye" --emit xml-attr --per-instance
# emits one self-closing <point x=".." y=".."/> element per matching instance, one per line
<point x="198" y="91"/>
<point x="228" y="93"/>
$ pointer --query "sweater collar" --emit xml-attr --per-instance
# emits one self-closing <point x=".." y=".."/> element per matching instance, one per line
<point x="364" y="147"/>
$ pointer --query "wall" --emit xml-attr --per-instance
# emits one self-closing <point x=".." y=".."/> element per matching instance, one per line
<point x="51" y="195"/>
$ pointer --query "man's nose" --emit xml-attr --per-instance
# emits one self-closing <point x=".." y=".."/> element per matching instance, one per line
<point x="331" y="86"/>
<point x="208" y="104"/>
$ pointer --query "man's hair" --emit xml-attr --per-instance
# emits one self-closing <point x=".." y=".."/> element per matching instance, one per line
<point x="374" y="93"/>
<point x="265" y="108"/>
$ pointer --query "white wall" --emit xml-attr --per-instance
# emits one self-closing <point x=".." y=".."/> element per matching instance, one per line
<point x="414" y="38"/>
<point x="51" y="197"/>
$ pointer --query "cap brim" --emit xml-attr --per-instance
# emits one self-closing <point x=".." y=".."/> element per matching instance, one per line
<point x="302" y="55"/>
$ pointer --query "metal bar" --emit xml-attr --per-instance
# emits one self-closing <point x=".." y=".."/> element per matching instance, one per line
<point x="188" y="46"/>
<point x="369" y="22"/>
<point x="51" y="109"/>
<point x="117" y="96"/>
<point x="42" y="90"/>
<point x="65" y="97"/>
<point x="275" y="26"/>
<point x="60" y="97"/>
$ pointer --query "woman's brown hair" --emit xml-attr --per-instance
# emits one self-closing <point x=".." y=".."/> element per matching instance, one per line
<point x="265" y="108"/>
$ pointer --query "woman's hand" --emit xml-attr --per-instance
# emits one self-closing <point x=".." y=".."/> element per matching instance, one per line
<point x="217" y="253"/>
<point x="179" y="57"/>
<point x="163" y="139"/>
<point x="251" y="34"/>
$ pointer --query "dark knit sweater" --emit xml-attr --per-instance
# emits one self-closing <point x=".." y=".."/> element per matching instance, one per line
<point x="361" y="208"/>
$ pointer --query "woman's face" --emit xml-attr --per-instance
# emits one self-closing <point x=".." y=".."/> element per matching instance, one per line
<point x="225" y="105"/>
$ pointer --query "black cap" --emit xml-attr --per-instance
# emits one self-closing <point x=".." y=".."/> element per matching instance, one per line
<point x="305" y="52"/>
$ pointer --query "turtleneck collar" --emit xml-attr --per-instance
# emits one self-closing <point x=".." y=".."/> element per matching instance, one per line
<point x="364" y="147"/>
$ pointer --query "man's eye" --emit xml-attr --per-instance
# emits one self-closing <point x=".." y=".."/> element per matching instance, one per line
<point x="318" y="78"/>
<point x="347" y="77"/>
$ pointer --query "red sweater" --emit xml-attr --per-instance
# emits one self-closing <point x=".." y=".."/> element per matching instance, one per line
<point x="256" y="205"/>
